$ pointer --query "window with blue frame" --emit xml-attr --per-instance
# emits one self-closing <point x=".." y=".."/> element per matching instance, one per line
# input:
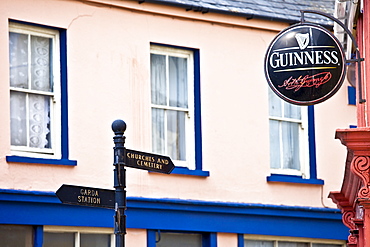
<point x="38" y="94"/>
<point x="175" y="106"/>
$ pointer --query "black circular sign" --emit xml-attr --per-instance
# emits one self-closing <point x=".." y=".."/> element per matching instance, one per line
<point x="305" y="64"/>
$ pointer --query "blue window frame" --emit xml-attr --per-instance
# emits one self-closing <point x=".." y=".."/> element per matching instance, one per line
<point x="61" y="123"/>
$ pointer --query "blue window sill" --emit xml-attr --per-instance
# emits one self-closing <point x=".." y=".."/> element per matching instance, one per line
<point x="293" y="179"/>
<point x="186" y="171"/>
<point x="22" y="159"/>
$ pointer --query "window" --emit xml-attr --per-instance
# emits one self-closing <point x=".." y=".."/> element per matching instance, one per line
<point x="38" y="94"/>
<point x="83" y="240"/>
<point x="157" y="238"/>
<point x="270" y="243"/>
<point x="15" y="235"/>
<point x="178" y="239"/>
<point x="172" y="104"/>
<point x="288" y="137"/>
<point x="58" y="237"/>
<point x="32" y="92"/>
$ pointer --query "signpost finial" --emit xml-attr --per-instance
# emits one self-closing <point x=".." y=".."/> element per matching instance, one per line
<point x="119" y="126"/>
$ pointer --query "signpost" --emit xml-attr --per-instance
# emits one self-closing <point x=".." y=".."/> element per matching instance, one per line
<point x="96" y="197"/>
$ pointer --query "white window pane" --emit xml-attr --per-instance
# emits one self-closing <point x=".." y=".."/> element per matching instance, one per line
<point x="38" y="134"/>
<point x="290" y="145"/>
<point x="292" y="244"/>
<point x="158" y="133"/>
<point x="18" y="60"/>
<point x="18" y="119"/>
<point x="39" y="122"/>
<point x="275" y="144"/>
<point x="176" y="135"/>
<point x="40" y="63"/>
<point x="158" y="79"/>
<point x="275" y="105"/>
<point x="52" y="239"/>
<point x="95" y="240"/>
<point x="178" y="82"/>
<point x="179" y="240"/>
<point x="15" y="236"/>
<point x="258" y="243"/>
<point x="292" y="111"/>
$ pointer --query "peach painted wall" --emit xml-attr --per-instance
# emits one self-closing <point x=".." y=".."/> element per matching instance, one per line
<point x="108" y="78"/>
<point x="227" y="239"/>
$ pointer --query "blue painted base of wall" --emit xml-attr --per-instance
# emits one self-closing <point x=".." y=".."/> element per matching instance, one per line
<point x="44" y="208"/>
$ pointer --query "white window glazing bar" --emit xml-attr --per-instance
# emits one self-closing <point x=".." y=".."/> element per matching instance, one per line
<point x="29" y="61"/>
<point x="77" y="239"/>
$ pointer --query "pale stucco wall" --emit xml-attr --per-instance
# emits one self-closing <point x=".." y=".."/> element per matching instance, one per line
<point x="108" y="78"/>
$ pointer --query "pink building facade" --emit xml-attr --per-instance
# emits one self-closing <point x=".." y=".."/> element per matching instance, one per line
<point x="188" y="80"/>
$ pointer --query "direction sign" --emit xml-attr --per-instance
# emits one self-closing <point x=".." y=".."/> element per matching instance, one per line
<point x="85" y="196"/>
<point x="148" y="161"/>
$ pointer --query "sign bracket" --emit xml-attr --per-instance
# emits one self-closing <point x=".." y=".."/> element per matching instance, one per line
<point x="358" y="58"/>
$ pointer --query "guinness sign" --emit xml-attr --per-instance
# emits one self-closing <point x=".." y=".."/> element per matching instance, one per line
<point x="305" y="64"/>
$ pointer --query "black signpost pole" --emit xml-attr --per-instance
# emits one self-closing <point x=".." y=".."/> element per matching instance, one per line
<point x="119" y="127"/>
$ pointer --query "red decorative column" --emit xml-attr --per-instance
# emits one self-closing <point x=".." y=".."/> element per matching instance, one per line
<point x="354" y="198"/>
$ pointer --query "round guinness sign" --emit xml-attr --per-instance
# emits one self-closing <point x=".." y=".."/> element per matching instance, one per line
<point x="305" y="64"/>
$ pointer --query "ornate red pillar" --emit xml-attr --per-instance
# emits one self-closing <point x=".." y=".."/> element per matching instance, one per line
<point x="354" y="197"/>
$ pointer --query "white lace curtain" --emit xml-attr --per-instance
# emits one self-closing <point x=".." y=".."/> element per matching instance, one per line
<point x="29" y="79"/>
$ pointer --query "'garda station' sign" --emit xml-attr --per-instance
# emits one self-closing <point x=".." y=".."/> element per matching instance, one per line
<point x="305" y="64"/>
<point x="86" y="196"/>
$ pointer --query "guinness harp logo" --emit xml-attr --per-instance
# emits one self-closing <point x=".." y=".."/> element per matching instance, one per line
<point x="303" y="39"/>
<point x="305" y="64"/>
